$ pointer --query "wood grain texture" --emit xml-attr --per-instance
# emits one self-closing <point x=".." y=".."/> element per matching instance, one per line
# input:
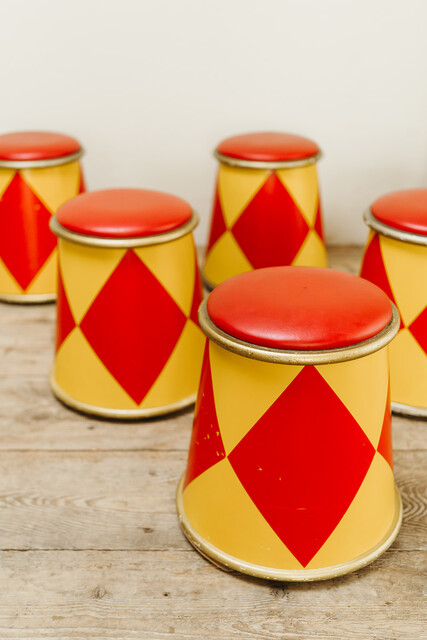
<point x="90" y="546"/>
<point x="31" y="418"/>
<point x="126" y="500"/>
<point x="158" y="595"/>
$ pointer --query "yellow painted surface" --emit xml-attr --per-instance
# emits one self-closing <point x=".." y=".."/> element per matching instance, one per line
<point x="80" y="373"/>
<point x="244" y="389"/>
<point x="179" y="378"/>
<point x="312" y="252"/>
<point x="54" y="185"/>
<point x="84" y="272"/>
<point x="173" y="264"/>
<point x="302" y="185"/>
<point x="408" y="370"/>
<point x="236" y="188"/>
<point x="366" y="521"/>
<point x="406" y="266"/>
<point x="217" y="504"/>
<point x="362" y="385"/>
<point x="221" y="511"/>
<point x="6" y="176"/>
<point x="8" y="284"/>
<point x="45" y="280"/>
<point x="225" y="259"/>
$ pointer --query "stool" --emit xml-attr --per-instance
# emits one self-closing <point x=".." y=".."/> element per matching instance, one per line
<point x="289" y="473"/>
<point x="39" y="171"/>
<point x="395" y="259"/>
<point x="266" y="209"/>
<point x="128" y="341"/>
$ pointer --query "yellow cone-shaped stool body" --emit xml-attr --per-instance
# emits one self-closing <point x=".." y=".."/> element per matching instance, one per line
<point x="290" y="473"/>
<point x="39" y="171"/>
<point x="395" y="259"/>
<point x="128" y="340"/>
<point x="266" y="209"/>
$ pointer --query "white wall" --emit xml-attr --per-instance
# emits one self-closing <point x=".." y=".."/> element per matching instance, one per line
<point x="150" y="87"/>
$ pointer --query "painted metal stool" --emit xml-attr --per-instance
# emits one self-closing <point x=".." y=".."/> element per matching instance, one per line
<point x="396" y="260"/>
<point x="128" y="340"/>
<point x="39" y="171"/>
<point x="289" y="473"/>
<point x="266" y="209"/>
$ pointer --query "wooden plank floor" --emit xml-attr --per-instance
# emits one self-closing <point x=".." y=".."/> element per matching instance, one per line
<point x="90" y="545"/>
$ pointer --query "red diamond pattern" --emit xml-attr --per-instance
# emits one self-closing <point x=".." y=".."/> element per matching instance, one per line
<point x="65" y="321"/>
<point x="373" y="269"/>
<point x="206" y="447"/>
<point x="26" y="241"/>
<point x="271" y="229"/>
<point x="218" y="226"/>
<point x="132" y="341"/>
<point x="303" y="472"/>
<point x="418" y="328"/>
<point x="385" y="447"/>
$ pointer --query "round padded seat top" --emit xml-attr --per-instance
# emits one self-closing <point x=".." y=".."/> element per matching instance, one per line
<point x="268" y="147"/>
<point x="299" y="308"/>
<point x="403" y="210"/>
<point x="123" y="213"/>
<point x="36" y="145"/>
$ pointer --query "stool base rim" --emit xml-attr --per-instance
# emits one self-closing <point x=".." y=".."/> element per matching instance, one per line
<point x="117" y="414"/>
<point x="39" y="298"/>
<point x="408" y="410"/>
<point x="230" y="563"/>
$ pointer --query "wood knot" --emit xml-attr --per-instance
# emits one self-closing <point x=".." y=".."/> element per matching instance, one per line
<point x="99" y="593"/>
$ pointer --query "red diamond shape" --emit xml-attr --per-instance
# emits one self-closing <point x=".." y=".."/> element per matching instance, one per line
<point x="318" y="225"/>
<point x="373" y="269"/>
<point x="133" y="326"/>
<point x="419" y="329"/>
<point x="385" y="447"/>
<point x="271" y="229"/>
<point x="64" y="318"/>
<point x="206" y="447"/>
<point x="303" y="462"/>
<point x="26" y="241"/>
<point x="217" y="224"/>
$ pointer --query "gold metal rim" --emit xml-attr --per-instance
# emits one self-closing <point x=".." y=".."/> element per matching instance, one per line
<point x="41" y="164"/>
<point x="231" y="563"/>
<point x="39" y="298"/>
<point x="282" y="356"/>
<point x="259" y="164"/>
<point x="123" y="243"/>
<point x="408" y="410"/>
<point x="390" y="232"/>
<point x="117" y="414"/>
